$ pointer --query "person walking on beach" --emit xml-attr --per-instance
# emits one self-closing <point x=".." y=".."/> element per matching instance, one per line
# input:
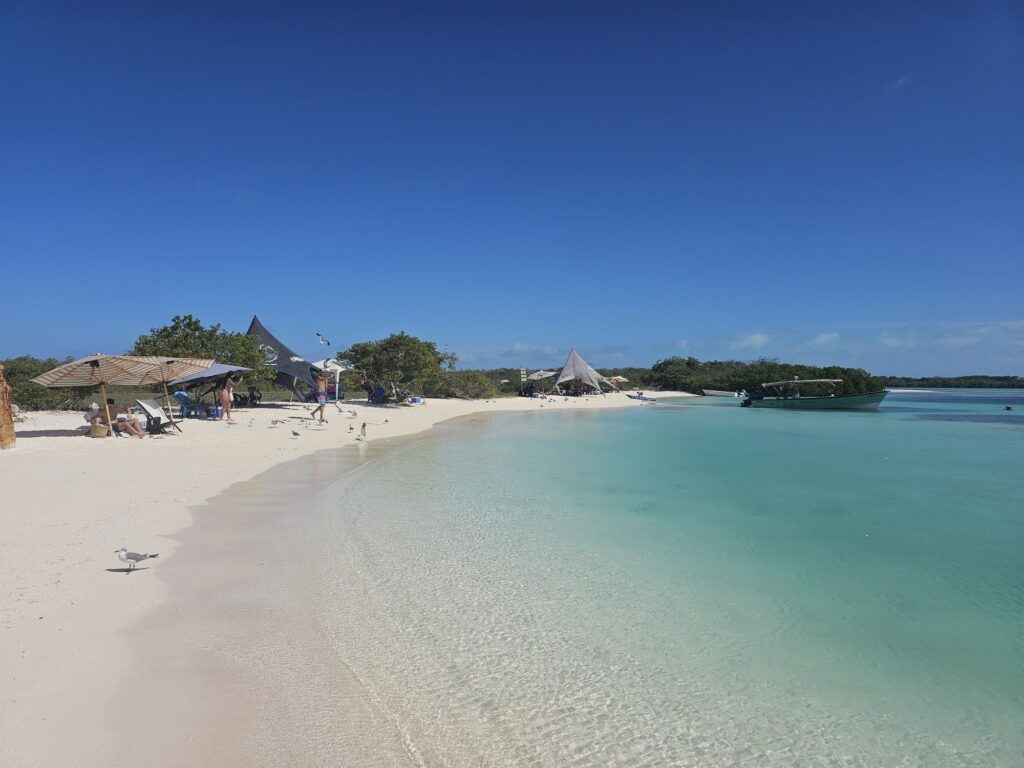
<point x="362" y="431"/>
<point x="321" y="396"/>
<point x="224" y="392"/>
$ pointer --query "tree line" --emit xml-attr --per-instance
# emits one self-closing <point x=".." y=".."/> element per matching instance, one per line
<point x="402" y="364"/>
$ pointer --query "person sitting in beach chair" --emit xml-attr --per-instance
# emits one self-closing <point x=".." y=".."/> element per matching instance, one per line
<point x="124" y="423"/>
<point x="189" y="407"/>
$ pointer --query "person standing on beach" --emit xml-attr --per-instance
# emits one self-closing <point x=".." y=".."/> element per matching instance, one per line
<point x="362" y="431"/>
<point x="321" y="396"/>
<point x="224" y="392"/>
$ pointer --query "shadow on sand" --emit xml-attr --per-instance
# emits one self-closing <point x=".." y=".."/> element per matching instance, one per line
<point x="126" y="570"/>
<point x="50" y="433"/>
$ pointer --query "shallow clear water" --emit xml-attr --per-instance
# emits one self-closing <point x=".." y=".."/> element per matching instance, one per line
<point x="692" y="583"/>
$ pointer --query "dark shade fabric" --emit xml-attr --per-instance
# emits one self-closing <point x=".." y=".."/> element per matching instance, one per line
<point x="291" y="368"/>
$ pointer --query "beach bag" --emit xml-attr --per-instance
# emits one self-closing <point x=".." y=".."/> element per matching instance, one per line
<point x="153" y="425"/>
<point x="98" y="430"/>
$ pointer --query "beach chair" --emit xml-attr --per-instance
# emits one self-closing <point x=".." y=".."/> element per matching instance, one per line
<point x="157" y="417"/>
<point x="189" y="407"/>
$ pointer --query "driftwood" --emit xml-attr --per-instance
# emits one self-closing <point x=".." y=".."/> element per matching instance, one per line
<point x="6" y="417"/>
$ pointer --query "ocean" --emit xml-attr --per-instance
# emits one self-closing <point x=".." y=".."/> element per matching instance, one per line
<point x="689" y="583"/>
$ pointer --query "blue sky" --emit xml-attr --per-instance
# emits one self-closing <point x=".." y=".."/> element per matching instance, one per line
<point x="509" y="179"/>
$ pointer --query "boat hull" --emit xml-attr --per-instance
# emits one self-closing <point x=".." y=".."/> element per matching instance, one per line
<point x="868" y="402"/>
<point x="718" y="393"/>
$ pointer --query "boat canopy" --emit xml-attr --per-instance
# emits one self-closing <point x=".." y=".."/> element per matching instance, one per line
<point x="802" y="381"/>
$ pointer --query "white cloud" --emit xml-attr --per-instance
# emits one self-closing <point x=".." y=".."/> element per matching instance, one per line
<point x="753" y="341"/>
<point x="892" y="341"/>
<point x="682" y="344"/>
<point x="823" y="340"/>
<point x="520" y="350"/>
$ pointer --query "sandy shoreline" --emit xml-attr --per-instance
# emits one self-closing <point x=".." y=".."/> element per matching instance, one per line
<point x="68" y="616"/>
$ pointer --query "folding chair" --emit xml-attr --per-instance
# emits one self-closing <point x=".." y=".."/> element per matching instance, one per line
<point x="156" y="415"/>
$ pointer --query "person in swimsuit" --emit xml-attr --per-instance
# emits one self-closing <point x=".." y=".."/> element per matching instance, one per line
<point x="224" y="392"/>
<point x="321" y="396"/>
<point x="126" y="423"/>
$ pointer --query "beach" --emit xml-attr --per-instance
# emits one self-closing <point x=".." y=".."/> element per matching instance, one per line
<point x="74" y="628"/>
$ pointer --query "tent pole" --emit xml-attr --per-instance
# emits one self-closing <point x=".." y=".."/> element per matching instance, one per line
<point x="106" y="407"/>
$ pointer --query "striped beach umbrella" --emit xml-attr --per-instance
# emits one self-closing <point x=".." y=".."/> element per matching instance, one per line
<point x="121" y="370"/>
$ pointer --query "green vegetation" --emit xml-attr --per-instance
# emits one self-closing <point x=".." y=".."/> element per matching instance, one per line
<point x="691" y="375"/>
<point x="31" y="397"/>
<point x="403" y="365"/>
<point x="942" y="382"/>
<point x="186" y="336"/>
<point x="400" y="363"/>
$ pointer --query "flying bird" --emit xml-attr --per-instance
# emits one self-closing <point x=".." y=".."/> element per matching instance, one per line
<point x="322" y="339"/>
<point x="133" y="558"/>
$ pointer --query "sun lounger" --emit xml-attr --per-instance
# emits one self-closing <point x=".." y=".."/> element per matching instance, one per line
<point x="155" y="412"/>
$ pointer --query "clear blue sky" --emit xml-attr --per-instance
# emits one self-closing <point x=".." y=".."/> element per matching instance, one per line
<point x="796" y="180"/>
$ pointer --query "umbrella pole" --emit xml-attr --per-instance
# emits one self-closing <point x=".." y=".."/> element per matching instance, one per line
<point x="106" y="407"/>
<point x="170" y="411"/>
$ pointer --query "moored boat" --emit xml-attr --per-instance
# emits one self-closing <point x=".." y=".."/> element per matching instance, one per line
<point x="719" y="393"/>
<point x="786" y="394"/>
<point x="639" y="396"/>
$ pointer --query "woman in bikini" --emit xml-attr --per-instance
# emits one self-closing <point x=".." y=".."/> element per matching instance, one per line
<point x="224" y="391"/>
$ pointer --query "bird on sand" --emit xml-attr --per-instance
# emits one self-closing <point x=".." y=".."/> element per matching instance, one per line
<point x="295" y="434"/>
<point x="133" y="558"/>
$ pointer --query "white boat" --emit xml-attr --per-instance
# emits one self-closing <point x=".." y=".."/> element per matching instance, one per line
<point x="719" y="393"/>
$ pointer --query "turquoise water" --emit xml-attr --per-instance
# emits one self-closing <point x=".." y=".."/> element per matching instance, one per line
<point x="692" y="583"/>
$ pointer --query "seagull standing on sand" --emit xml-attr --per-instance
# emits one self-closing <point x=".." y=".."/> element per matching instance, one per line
<point x="133" y="558"/>
<point x="296" y="434"/>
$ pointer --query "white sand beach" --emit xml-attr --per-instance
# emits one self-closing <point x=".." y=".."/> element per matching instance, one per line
<point x="66" y="605"/>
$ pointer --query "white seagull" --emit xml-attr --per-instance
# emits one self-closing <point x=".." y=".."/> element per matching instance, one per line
<point x="322" y="339"/>
<point x="133" y="558"/>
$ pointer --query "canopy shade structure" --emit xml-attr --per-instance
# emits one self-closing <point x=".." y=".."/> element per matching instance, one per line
<point x="121" y="370"/>
<point x="577" y="369"/>
<point x="801" y="381"/>
<point x="332" y="364"/>
<point x="215" y="371"/>
<point x="291" y="368"/>
<point x="538" y="375"/>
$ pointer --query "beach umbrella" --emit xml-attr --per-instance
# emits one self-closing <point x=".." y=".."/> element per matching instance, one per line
<point x="120" y="370"/>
